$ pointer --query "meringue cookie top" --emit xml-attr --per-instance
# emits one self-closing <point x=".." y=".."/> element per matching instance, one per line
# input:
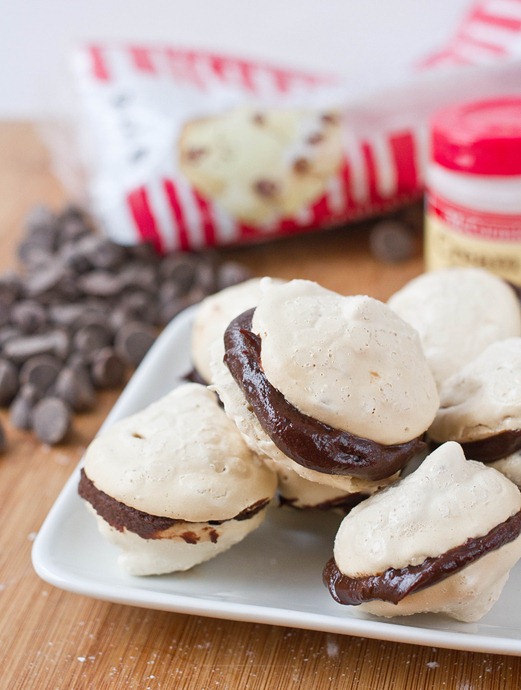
<point x="215" y="313"/>
<point x="350" y="362"/>
<point x="446" y="501"/>
<point x="484" y="398"/>
<point x="457" y="313"/>
<point x="182" y="458"/>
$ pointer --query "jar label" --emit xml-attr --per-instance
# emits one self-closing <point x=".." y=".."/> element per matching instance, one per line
<point x="459" y="236"/>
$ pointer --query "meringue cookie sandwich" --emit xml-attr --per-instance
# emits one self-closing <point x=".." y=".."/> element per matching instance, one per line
<point x="442" y="540"/>
<point x="335" y="388"/>
<point x="175" y="484"/>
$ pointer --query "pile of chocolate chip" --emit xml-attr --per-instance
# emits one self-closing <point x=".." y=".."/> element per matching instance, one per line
<point x="82" y="313"/>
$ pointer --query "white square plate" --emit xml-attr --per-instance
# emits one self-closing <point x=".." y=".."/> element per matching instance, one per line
<point x="273" y="576"/>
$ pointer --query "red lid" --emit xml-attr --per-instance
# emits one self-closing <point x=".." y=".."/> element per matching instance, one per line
<point x="483" y="138"/>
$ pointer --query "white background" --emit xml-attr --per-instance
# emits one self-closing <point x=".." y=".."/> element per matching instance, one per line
<point x="361" y="39"/>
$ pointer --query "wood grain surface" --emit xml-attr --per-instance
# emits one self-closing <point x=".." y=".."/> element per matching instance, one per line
<point x="51" y="639"/>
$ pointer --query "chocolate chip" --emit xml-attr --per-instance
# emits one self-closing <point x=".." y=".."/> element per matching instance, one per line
<point x="315" y="138"/>
<point x="41" y="371"/>
<point x="41" y="228"/>
<point x="28" y="315"/>
<point x="194" y="153"/>
<point x="19" y="349"/>
<point x="8" y="333"/>
<point x="8" y="381"/>
<point x="75" y="388"/>
<point x="133" y="341"/>
<point x="21" y="409"/>
<point x="61" y="343"/>
<point x="48" y="278"/>
<point x="39" y="217"/>
<point x="105" y="254"/>
<point x="32" y="255"/>
<point x="330" y="118"/>
<point x="72" y="211"/>
<point x="88" y="246"/>
<point x="143" y="252"/>
<point x="66" y="314"/>
<point x="5" y="314"/>
<point x="301" y="165"/>
<point x="72" y="228"/>
<point x="108" y="369"/>
<point x="92" y="337"/>
<point x="170" y="305"/>
<point x="137" y="276"/>
<point x="230" y="273"/>
<point x="259" y="119"/>
<point x="71" y="255"/>
<point x="10" y="288"/>
<point x="78" y="362"/>
<point x="266" y="188"/>
<point x="170" y="310"/>
<point x="139" y="306"/>
<point x="196" y="294"/>
<point x="100" y="283"/>
<point x="51" y="420"/>
<point x="179" y="268"/>
<point x="94" y="312"/>
<point x="30" y="393"/>
<point x="205" y="277"/>
<point x="170" y="290"/>
<point x="391" y="241"/>
<point x="21" y="413"/>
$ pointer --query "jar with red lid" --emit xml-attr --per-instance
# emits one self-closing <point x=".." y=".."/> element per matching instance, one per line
<point x="473" y="192"/>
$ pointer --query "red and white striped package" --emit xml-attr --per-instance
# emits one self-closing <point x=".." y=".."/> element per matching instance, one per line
<point x="189" y="149"/>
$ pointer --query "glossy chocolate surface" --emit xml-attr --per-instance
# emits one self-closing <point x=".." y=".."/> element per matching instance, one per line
<point x="307" y="441"/>
<point x="494" y="447"/>
<point x="121" y="516"/>
<point x="396" y="583"/>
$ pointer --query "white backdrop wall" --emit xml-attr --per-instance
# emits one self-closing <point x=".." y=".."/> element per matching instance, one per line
<point x="351" y="37"/>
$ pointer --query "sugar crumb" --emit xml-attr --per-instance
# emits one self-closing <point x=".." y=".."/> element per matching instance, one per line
<point x="332" y="648"/>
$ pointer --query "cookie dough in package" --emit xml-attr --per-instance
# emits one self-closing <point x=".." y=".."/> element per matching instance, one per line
<point x="187" y="149"/>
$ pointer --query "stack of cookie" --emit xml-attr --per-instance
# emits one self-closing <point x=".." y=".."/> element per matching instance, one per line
<point x="331" y="399"/>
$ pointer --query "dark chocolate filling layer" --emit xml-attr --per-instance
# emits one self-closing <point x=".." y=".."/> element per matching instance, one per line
<point x="396" y="583"/>
<point x="494" y="447"/>
<point x="121" y="516"/>
<point x="307" y="441"/>
<point x="343" y="503"/>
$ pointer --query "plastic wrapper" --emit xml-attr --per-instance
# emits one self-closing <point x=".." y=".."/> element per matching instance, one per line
<point x="187" y="149"/>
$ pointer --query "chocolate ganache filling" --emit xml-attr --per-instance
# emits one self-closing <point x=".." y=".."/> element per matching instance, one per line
<point x="344" y="504"/>
<point x="145" y="525"/>
<point x="396" y="583"/>
<point x="494" y="447"/>
<point x="308" y="441"/>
